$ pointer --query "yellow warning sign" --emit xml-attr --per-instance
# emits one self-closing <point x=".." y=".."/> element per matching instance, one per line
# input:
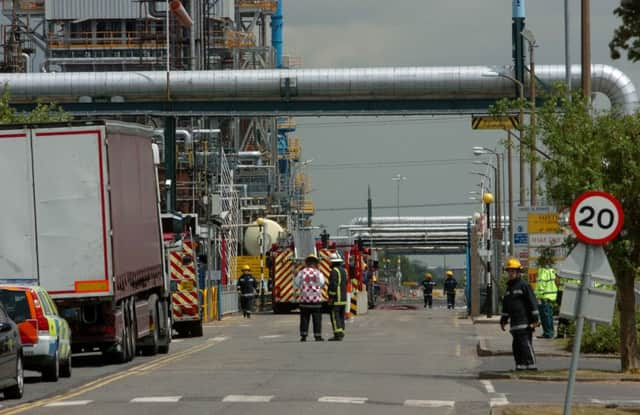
<point x="488" y="122"/>
<point x="543" y="223"/>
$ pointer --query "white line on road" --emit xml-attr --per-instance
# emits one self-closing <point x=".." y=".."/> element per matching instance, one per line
<point x="271" y="336"/>
<point x="156" y="399"/>
<point x="218" y="339"/>
<point x="67" y="403"/>
<point x="429" y="404"/>
<point x="247" y="398"/>
<point x="500" y="400"/>
<point x="488" y="386"/>
<point x="176" y="340"/>
<point x="620" y="402"/>
<point x="342" y="399"/>
<point x="458" y="350"/>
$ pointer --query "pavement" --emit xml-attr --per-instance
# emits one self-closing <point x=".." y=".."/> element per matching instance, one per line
<point x="550" y="353"/>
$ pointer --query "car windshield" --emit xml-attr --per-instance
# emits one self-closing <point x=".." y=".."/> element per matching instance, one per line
<point x="16" y="304"/>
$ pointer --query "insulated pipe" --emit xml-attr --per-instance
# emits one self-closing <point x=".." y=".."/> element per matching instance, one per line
<point x="412" y="220"/>
<point x="371" y="84"/>
<point x="183" y="17"/>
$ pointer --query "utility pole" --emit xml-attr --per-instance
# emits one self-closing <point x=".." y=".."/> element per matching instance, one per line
<point x="528" y="35"/>
<point x="586" y="50"/>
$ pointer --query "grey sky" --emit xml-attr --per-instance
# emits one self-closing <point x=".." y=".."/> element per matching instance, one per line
<point x="359" y="33"/>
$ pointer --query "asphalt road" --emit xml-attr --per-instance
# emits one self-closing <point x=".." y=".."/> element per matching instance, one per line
<point x="391" y="361"/>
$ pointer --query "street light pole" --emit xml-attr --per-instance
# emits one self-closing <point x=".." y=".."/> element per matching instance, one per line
<point x="531" y="40"/>
<point x="398" y="179"/>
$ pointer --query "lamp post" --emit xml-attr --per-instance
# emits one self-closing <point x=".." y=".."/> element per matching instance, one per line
<point x="531" y="40"/>
<point x="487" y="198"/>
<point x="510" y="141"/>
<point x="398" y="178"/>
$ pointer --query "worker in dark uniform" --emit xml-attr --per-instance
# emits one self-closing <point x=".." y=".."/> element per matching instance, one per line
<point x="427" y="289"/>
<point x="247" y="286"/>
<point x="520" y="310"/>
<point x="337" y="296"/>
<point x="450" y="285"/>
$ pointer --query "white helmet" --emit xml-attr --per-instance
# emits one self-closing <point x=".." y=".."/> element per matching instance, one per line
<point x="334" y="257"/>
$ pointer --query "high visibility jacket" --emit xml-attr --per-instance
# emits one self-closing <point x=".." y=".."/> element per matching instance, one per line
<point x="338" y="285"/>
<point x="546" y="284"/>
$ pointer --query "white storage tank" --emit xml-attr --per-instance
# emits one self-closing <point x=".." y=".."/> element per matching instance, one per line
<point x="253" y="236"/>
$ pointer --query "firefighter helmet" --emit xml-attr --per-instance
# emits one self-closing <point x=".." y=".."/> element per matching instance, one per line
<point x="311" y="258"/>
<point x="334" y="257"/>
<point x="246" y="267"/>
<point x="450" y="273"/>
<point x="513" y="263"/>
<point x="427" y="275"/>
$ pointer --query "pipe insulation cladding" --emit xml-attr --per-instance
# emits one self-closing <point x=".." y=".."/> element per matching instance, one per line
<point x="457" y="83"/>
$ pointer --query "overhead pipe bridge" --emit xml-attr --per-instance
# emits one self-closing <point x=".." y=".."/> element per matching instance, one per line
<point x="313" y="92"/>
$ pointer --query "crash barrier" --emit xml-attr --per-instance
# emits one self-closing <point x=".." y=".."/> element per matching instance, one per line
<point x="229" y="301"/>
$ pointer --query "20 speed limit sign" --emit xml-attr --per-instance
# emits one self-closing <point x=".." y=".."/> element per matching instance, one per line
<point x="596" y="217"/>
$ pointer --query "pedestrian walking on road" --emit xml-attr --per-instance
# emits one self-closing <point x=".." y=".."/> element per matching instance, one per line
<point x="427" y="290"/>
<point x="520" y="310"/>
<point x="450" y="285"/>
<point x="247" y="286"/>
<point x="309" y="282"/>
<point x="337" y="296"/>
<point x="546" y="291"/>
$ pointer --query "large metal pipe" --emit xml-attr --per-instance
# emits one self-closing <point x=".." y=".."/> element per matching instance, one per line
<point x="372" y="84"/>
<point x="411" y="220"/>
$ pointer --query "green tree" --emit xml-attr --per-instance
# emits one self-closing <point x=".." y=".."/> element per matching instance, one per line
<point x="627" y="35"/>
<point x="598" y="150"/>
<point x="41" y="113"/>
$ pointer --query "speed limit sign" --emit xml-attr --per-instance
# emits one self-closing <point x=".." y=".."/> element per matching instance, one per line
<point x="596" y="217"/>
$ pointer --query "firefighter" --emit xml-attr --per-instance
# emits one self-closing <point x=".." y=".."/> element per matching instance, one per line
<point x="520" y="310"/>
<point x="337" y="296"/>
<point x="247" y="286"/>
<point x="309" y="282"/>
<point x="546" y="291"/>
<point x="449" y="289"/>
<point x="427" y="289"/>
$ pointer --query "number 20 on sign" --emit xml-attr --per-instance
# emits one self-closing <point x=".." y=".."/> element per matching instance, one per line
<point x="596" y="217"/>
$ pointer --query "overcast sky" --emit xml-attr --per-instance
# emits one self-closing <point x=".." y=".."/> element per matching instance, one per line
<point x="374" y="33"/>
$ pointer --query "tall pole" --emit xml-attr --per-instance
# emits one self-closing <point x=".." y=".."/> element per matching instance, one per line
<point x="398" y="201"/>
<point x="518" y="17"/>
<point x="510" y="191"/>
<point x="497" y="239"/>
<point x="532" y="125"/>
<point x="567" y="54"/>
<point x="586" y="50"/>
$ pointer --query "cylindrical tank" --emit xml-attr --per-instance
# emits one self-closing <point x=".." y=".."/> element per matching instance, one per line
<point x="253" y="236"/>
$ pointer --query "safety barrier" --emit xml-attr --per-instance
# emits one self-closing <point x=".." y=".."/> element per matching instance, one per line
<point x="362" y="302"/>
<point x="209" y="304"/>
<point x="229" y="300"/>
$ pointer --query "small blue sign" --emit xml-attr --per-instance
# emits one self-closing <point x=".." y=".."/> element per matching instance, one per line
<point x="521" y="238"/>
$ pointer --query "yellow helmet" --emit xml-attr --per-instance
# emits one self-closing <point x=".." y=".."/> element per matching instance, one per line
<point x="427" y="275"/>
<point x="311" y="258"/>
<point x="246" y="268"/>
<point x="513" y="263"/>
<point x="450" y="273"/>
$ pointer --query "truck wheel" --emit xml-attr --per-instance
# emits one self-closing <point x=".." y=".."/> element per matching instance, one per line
<point x="16" y="391"/>
<point x="196" y="329"/>
<point x="65" y="368"/>
<point x="51" y="372"/>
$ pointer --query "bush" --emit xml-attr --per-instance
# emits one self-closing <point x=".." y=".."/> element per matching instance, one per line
<point x="605" y="339"/>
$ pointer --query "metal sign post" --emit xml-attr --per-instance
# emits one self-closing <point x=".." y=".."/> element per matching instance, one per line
<point x="596" y="218"/>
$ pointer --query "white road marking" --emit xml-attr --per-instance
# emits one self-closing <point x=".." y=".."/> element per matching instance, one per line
<point x="218" y="339"/>
<point x="458" y="350"/>
<point x="67" y="403"/>
<point x="176" y="340"/>
<point x="156" y="399"/>
<point x="247" y="398"/>
<point x="499" y="400"/>
<point x="429" y="404"/>
<point x="342" y="399"/>
<point x="271" y="336"/>
<point x="621" y="402"/>
<point x="488" y="386"/>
